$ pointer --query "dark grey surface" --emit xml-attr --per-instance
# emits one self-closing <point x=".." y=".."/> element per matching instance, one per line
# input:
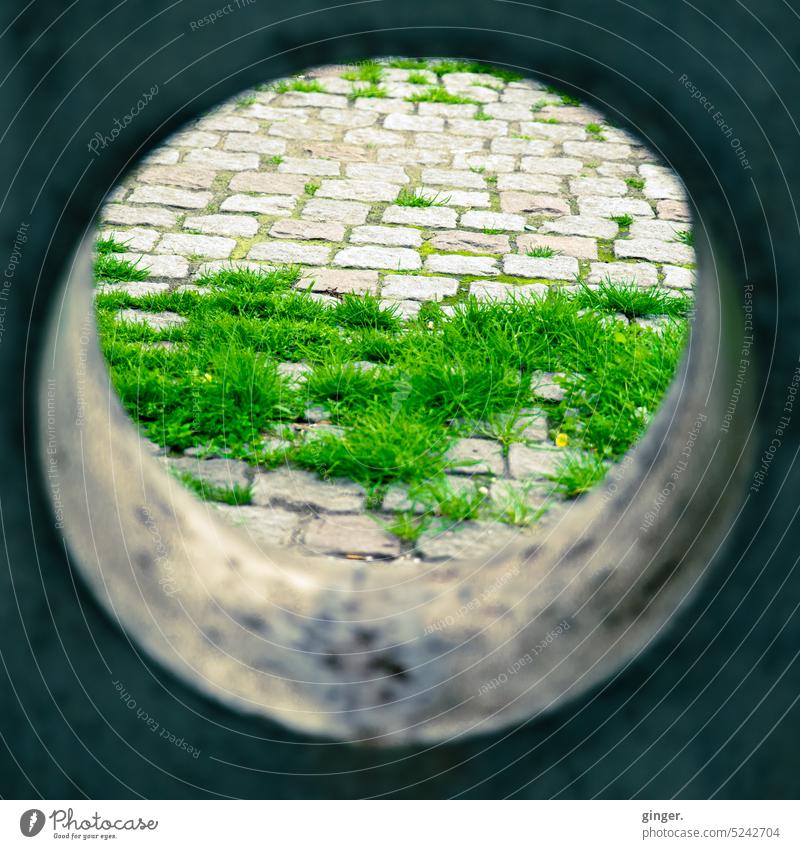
<point x="712" y="707"/>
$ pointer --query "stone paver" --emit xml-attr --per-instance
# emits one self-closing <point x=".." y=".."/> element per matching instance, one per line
<point x="321" y="179"/>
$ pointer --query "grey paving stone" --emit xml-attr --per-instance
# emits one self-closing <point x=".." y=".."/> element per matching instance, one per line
<point x="531" y="148"/>
<point x="431" y="216"/>
<point x="228" y="124"/>
<point x="156" y="320"/>
<point x="675" y="210"/>
<point x="359" y="536"/>
<point x="640" y="273"/>
<point x="491" y="163"/>
<point x="253" y="143"/>
<point x="546" y="183"/>
<point x="290" y="252"/>
<point x="577" y="246"/>
<point x="560" y="166"/>
<point x="463" y="179"/>
<point x="169" y="196"/>
<point x="160" y="266"/>
<point x="476" y="457"/>
<point x="448" y="110"/>
<point x="366" y="190"/>
<point x="464" y="240"/>
<point x="549" y="268"/>
<point x="516" y="202"/>
<point x="591" y="186"/>
<point x="310" y="167"/>
<point x="604" y="207"/>
<point x="343" y="211"/>
<point x="412" y="156"/>
<point x="664" y="231"/>
<point x="482" y="129"/>
<point x="597" y="150"/>
<point x="261" y="204"/>
<point x="377" y="137"/>
<point x="304" y="491"/>
<point x="301" y="131"/>
<point x="311" y="98"/>
<point x="136" y="289"/>
<point x="222" y="160"/>
<point x="525" y="463"/>
<point x="488" y="291"/>
<point x="295" y="228"/>
<point x="134" y="239"/>
<point x="341" y="282"/>
<point x="556" y="132"/>
<point x="372" y="234"/>
<point x="678" y="278"/>
<point x="223" y="473"/>
<point x="582" y="225"/>
<point x="414" y="123"/>
<point x="379" y="173"/>
<point x="118" y="213"/>
<point x="396" y="259"/>
<point x="185" y="176"/>
<point x="187" y="244"/>
<point x="480" y="220"/>
<point x="546" y="386"/>
<point x="458" y="197"/>
<point x="654" y="250"/>
<point x="417" y="288"/>
<point x="268" y="183"/>
<point x="223" y="225"/>
<point x="460" y="264"/>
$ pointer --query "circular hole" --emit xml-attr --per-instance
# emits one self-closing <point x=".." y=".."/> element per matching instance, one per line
<point x="386" y="312"/>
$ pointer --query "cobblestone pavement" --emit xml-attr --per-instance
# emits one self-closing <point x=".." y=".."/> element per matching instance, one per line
<point x="313" y="178"/>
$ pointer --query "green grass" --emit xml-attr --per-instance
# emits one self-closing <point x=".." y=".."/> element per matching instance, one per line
<point x="633" y="301"/>
<point x="372" y="90"/>
<point x="365" y="72"/>
<point x="275" y="160"/>
<point x="439" y="94"/>
<point x="412" y="197"/>
<point x="311" y="188"/>
<point x="298" y="85"/>
<point x="685" y="237"/>
<point x="578" y="472"/>
<point x="247" y="100"/>
<point x="451" y="66"/>
<point x="634" y="183"/>
<point x="110" y="246"/>
<point x="408" y="64"/>
<point x="235" y="495"/>
<point x="218" y="384"/>
<point x="541" y="251"/>
<point x="109" y="268"/>
<point x="418" y="79"/>
<point x="566" y="99"/>
<point x="596" y="131"/>
<point x="623" y="221"/>
<point x="480" y="115"/>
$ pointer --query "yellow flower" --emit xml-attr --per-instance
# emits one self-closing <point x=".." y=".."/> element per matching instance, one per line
<point x="562" y="440"/>
<point x="619" y="337"/>
<point x="207" y="377"/>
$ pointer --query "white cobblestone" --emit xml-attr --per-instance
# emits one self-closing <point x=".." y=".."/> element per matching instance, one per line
<point x="366" y="190"/>
<point x="416" y="288"/>
<point x="376" y="235"/>
<point x="492" y="221"/>
<point x="430" y="216"/>
<point x="261" y="204"/>
<point x="168" y="196"/>
<point x="343" y="211"/>
<point x="222" y="160"/>
<point x="290" y="252"/>
<point x="223" y="225"/>
<point x="547" y="268"/>
<point x="460" y="264"/>
<point x="396" y="259"/>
